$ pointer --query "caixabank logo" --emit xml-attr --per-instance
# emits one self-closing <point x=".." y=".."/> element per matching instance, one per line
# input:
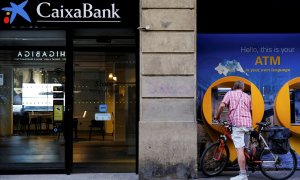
<point x="15" y="11"/>
<point x="61" y="13"/>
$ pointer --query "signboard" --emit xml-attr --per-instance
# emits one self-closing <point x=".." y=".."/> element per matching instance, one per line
<point x="103" y="108"/>
<point x="40" y="56"/>
<point x="53" y="13"/>
<point x="38" y="97"/>
<point x="58" y="88"/>
<point x="58" y="110"/>
<point x="102" y="116"/>
<point x="267" y="60"/>
<point x="59" y="95"/>
<point x="1" y="80"/>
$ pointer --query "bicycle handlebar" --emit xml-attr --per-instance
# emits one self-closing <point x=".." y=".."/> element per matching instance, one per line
<point x="222" y="122"/>
<point x="226" y="124"/>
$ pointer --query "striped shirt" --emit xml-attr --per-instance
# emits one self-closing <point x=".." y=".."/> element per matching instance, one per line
<point x="239" y="107"/>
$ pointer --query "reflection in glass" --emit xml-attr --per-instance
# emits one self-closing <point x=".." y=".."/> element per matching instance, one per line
<point x="105" y="87"/>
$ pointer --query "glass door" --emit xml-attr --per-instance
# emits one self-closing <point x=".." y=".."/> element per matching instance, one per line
<point x="32" y="77"/>
<point x="105" y="103"/>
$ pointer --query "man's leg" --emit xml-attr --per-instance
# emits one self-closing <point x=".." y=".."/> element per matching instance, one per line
<point x="238" y="140"/>
<point x="241" y="160"/>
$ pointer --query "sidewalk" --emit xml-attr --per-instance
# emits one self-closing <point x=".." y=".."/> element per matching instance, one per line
<point x="257" y="175"/>
<point x="82" y="176"/>
<point x="126" y="176"/>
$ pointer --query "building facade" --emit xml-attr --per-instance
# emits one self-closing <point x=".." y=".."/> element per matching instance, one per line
<point x="167" y="127"/>
<point x="111" y="86"/>
<point x="99" y="87"/>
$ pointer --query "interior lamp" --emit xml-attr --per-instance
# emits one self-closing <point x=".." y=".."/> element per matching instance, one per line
<point x="110" y="76"/>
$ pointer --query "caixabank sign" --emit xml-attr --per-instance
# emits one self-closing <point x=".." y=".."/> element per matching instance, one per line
<point x="51" y="13"/>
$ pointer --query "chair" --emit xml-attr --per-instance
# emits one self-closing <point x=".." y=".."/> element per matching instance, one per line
<point x="37" y="125"/>
<point x="97" y="124"/>
<point x="48" y="122"/>
<point x="24" y="123"/>
<point x="17" y="117"/>
<point x="75" y="123"/>
<point x="75" y="127"/>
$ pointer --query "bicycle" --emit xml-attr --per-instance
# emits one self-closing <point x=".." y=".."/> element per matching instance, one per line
<point x="258" y="155"/>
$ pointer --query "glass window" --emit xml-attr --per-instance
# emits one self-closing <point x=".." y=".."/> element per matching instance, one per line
<point x="30" y="70"/>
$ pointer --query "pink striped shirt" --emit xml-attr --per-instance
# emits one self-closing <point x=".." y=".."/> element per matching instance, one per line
<point x="239" y="107"/>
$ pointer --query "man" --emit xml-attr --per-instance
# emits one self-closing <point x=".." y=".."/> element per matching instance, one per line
<point x="239" y="116"/>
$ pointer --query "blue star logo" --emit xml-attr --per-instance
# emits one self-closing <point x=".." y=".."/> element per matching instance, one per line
<point x="17" y="9"/>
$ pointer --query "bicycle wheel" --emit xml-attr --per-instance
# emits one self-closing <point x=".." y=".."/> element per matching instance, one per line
<point x="209" y="163"/>
<point x="281" y="168"/>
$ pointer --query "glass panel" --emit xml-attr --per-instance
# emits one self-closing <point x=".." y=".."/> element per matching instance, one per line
<point x="27" y="136"/>
<point x="105" y="88"/>
<point x="27" y="83"/>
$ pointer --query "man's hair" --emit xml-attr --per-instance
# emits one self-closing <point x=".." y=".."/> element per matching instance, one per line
<point x="238" y="85"/>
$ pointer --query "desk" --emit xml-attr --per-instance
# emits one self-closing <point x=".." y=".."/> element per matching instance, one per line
<point x="97" y="124"/>
<point x="77" y="117"/>
<point x="103" y="117"/>
<point x="40" y="116"/>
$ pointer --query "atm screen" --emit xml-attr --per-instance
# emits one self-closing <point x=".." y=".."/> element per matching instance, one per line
<point x="217" y="97"/>
<point x="296" y="106"/>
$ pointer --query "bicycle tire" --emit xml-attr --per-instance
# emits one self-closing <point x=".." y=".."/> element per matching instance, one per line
<point x="284" y="168"/>
<point x="208" y="165"/>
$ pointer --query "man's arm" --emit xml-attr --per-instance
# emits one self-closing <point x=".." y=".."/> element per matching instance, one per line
<point x="220" y="110"/>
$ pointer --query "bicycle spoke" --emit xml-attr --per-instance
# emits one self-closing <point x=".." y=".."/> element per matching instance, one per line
<point x="214" y="159"/>
<point x="282" y="167"/>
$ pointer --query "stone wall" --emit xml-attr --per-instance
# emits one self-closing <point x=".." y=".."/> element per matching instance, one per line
<point x="167" y="127"/>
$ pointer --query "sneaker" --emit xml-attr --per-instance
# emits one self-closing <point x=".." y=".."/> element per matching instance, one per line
<point x="240" y="177"/>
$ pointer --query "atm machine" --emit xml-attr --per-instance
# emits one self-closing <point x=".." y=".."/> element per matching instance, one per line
<point x="217" y="97"/>
<point x="218" y="94"/>
<point x="213" y="97"/>
<point x="295" y="106"/>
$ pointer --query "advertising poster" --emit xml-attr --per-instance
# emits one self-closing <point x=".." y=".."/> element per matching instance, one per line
<point x="1" y="80"/>
<point x="267" y="60"/>
<point x="270" y="61"/>
<point x="58" y="112"/>
<point x="39" y="97"/>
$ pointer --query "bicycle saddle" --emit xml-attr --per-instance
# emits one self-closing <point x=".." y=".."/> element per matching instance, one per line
<point x="263" y="124"/>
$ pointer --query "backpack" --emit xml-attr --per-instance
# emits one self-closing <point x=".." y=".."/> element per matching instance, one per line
<point x="278" y="139"/>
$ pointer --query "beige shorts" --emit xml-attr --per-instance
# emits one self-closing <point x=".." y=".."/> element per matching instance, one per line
<point x="240" y="136"/>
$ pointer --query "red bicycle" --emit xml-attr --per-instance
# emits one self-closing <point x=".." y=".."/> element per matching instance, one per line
<point x="258" y="155"/>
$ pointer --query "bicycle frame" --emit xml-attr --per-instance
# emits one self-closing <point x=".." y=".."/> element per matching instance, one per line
<point x="227" y="135"/>
<point x="222" y="139"/>
<point x="258" y="155"/>
<point x="266" y="147"/>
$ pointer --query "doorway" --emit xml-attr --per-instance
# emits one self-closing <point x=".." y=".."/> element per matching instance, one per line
<point x="33" y="79"/>
<point x="105" y="90"/>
